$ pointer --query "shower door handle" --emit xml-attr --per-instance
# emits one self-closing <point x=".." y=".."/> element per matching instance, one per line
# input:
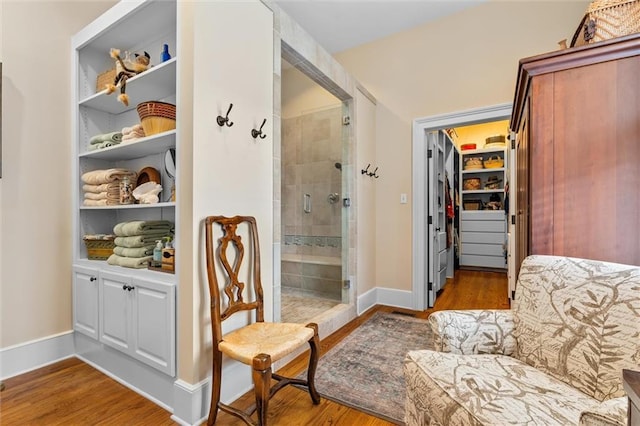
<point x="307" y="203"/>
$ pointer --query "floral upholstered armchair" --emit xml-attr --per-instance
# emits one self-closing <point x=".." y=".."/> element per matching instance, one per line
<point x="555" y="358"/>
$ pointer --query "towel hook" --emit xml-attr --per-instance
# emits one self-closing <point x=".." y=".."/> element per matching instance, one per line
<point x="258" y="133"/>
<point x="366" y="171"/>
<point x="225" y="120"/>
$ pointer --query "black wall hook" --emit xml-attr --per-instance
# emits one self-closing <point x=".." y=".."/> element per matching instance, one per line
<point x="258" y="133"/>
<point x="225" y="120"/>
<point x="368" y="173"/>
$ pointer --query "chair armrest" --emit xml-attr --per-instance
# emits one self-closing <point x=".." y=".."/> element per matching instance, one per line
<point x="612" y="412"/>
<point x="469" y="332"/>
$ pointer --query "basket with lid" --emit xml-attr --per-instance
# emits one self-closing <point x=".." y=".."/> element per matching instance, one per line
<point x="493" y="162"/>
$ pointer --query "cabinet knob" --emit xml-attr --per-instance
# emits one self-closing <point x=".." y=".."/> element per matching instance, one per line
<point x="92" y="279"/>
<point x="125" y="287"/>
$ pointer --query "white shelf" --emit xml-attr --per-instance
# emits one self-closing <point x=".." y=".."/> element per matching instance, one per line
<point x="130" y="206"/>
<point x="483" y="191"/>
<point x="482" y="150"/>
<point x="154" y="144"/>
<point x="138" y="272"/>
<point x="497" y="169"/>
<point x="154" y="84"/>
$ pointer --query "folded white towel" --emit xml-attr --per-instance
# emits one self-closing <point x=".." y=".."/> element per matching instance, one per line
<point x="95" y="203"/>
<point x="95" y="196"/>
<point x="98" y="177"/>
<point x="97" y="188"/>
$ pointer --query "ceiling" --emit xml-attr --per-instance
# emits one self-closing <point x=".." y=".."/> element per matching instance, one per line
<point x="342" y="24"/>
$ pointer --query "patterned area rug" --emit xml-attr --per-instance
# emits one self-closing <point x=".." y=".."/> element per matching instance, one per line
<point x="364" y="370"/>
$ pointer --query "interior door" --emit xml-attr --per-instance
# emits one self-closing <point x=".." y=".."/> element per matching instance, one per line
<point x="436" y="216"/>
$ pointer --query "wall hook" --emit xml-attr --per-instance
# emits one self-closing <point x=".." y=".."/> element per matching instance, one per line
<point x="366" y="171"/>
<point x="225" y="120"/>
<point x="374" y="173"/>
<point x="258" y="133"/>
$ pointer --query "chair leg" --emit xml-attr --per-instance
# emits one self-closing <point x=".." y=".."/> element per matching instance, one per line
<point x="262" y="385"/>
<point x="314" y="343"/>
<point x="215" y="390"/>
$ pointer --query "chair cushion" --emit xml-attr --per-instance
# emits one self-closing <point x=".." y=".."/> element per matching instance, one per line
<point x="446" y="388"/>
<point x="274" y="339"/>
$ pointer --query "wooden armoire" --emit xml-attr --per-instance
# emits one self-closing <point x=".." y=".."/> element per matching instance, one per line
<point x="576" y="115"/>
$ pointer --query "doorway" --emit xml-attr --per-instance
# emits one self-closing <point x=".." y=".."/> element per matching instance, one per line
<point x="313" y="217"/>
<point x="423" y="292"/>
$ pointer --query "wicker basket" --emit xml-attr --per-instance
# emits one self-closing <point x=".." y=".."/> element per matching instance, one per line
<point x="473" y="163"/>
<point x="471" y="184"/>
<point x="493" y="162"/>
<point x="105" y="78"/>
<point x="99" y="247"/>
<point x="607" y="19"/>
<point x="157" y="117"/>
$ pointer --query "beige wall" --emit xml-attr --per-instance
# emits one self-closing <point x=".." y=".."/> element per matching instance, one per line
<point x="35" y="281"/>
<point x="463" y="61"/>
<point x="301" y="95"/>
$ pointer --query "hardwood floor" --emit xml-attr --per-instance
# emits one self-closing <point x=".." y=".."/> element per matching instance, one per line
<point x="71" y="392"/>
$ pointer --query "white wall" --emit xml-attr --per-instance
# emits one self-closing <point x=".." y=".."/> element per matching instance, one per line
<point x="463" y="61"/>
<point x="35" y="208"/>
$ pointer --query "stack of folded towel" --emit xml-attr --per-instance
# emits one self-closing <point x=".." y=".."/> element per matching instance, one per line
<point x="102" y="187"/>
<point x="132" y="133"/>
<point x="104" y="140"/>
<point x="135" y="241"/>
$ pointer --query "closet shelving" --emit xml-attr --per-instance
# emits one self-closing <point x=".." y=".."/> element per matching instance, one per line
<point x="128" y="309"/>
<point x="483" y="229"/>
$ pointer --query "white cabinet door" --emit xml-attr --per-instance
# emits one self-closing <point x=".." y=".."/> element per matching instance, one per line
<point x="137" y="317"/>
<point x="85" y="301"/>
<point x="154" y="324"/>
<point x="115" y="316"/>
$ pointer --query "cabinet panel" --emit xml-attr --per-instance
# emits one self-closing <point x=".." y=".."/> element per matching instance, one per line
<point x="483" y="237"/>
<point x="483" y="261"/>
<point x="115" y="319"/>
<point x="483" y="249"/>
<point x="85" y="301"/>
<point x="483" y="226"/>
<point x="154" y="321"/>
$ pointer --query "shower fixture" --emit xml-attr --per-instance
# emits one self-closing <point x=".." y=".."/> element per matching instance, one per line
<point x="338" y="166"/>
<point x="333" y="198"/>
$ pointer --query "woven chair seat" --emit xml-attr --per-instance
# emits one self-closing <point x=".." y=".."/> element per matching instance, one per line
<point x="274" y="339"/>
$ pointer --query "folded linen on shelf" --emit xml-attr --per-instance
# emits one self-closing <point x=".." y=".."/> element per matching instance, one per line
<point x="134" y="251"/>
<point x="94" y="203"/>
<point x="101" y="145"/>
<point x="106" y="137"/>
<point x="142" y="227"/>
<point x="97" y="177"/>
<point x="129" y="262"/>
<point x="140" y="240"/>
<point x="95" y="196"/>
<point x="96" y="189"/>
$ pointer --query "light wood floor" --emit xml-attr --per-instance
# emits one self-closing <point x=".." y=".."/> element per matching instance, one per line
<point x="71" y="392"/>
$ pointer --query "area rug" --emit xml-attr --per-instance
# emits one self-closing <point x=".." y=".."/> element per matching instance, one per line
<point x="364" y="370"/>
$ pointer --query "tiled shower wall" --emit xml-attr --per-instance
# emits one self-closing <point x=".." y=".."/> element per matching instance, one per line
<point x="311" y="145"/>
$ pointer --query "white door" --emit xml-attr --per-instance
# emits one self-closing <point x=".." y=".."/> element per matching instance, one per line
<point x="436" y="215"/>
<point x="85" y="301"/>
<point x="115" y="311"/>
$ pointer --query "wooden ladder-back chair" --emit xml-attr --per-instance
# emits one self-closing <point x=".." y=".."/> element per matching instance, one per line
<point x="260" y="343"/>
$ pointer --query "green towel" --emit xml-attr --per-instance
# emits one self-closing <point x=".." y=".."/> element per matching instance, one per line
<point x="106" y="137"/>
<point x="134" y="252"/>
<point x="129" y="262"/>
<point x="142" y="227"/>
<point x="138" y="241"/>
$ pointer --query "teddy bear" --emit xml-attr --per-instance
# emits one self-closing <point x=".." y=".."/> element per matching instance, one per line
<point x="140" y="64"/>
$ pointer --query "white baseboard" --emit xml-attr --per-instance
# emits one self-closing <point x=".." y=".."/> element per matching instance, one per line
<point x="384" y="296"/>
<point x="22" y="358"/>
<point x="191" y="402"/>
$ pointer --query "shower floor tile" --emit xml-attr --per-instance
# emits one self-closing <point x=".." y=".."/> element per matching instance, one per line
<point x="298" y="308"/>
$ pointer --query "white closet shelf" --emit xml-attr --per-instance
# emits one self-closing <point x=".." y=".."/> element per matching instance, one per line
<point x="154" y="84"/>
<point x="142" y="147"/>
<point x="130" y="206"/>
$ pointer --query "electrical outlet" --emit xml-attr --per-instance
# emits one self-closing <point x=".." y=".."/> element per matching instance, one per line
<point x="403" y="198"/>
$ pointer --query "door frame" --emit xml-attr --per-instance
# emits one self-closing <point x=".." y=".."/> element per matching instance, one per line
<point x="421" y="126"/>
